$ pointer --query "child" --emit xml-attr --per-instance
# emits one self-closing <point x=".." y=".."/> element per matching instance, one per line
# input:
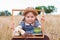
<point x="29" y="22"/>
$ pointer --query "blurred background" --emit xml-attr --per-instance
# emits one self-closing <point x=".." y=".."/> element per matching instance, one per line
<point x="51" y="11"/>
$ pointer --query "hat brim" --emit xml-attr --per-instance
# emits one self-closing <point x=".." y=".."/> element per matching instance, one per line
<point x="34" y="11"/>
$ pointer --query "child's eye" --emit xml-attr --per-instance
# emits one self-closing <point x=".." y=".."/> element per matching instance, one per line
<point x="31" y="16"/>
<point x="27" y="16"/>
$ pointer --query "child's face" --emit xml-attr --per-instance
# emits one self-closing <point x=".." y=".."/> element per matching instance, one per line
<point x="30" y="18"/>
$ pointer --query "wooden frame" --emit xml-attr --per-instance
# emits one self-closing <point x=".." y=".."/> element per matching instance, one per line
<point x="42" y="21"/>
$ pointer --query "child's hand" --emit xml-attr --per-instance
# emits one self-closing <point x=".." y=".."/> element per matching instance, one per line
<point x="21" y="31"/>
<point x="16" y="33"/>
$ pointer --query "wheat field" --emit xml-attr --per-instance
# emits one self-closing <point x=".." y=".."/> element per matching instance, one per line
<point x="51" y="26"/>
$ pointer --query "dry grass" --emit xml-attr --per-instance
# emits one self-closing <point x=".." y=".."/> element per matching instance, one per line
<point x="52" y="26"/>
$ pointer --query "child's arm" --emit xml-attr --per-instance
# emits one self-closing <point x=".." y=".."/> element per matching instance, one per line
<point x="16" y="33"/>
<point x="19" y="30"/>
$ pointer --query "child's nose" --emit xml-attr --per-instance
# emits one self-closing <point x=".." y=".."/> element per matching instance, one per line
<point x="30" y="18"/>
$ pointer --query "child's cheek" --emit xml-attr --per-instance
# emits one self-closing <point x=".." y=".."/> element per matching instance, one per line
<point x="27" y="20"/>
<point x="33" y="19"/>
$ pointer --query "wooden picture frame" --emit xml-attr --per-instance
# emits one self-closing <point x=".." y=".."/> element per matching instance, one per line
<point x="42" y="36"/>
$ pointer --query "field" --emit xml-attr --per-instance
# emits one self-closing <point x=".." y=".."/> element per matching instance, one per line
<point x="51" y="26"/>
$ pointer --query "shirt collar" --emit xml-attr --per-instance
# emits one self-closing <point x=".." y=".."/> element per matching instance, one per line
<point x="28" y="24"/>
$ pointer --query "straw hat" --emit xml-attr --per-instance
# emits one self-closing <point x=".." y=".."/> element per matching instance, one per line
<point x="30" y="9"/>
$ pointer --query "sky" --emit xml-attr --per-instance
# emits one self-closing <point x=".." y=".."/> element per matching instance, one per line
<point x="22" y="4"/>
